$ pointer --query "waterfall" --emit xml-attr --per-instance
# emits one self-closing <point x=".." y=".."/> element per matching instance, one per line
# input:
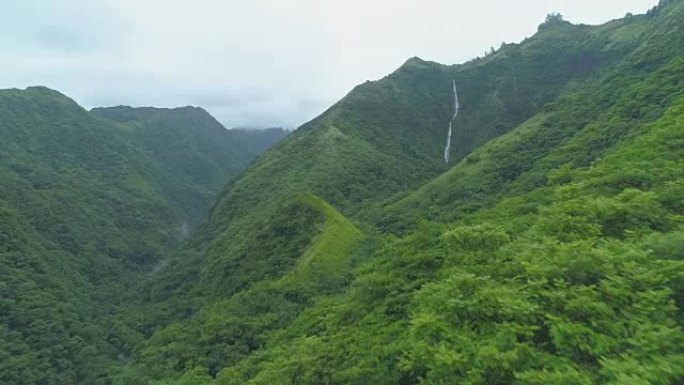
<point x="448" y="143"/>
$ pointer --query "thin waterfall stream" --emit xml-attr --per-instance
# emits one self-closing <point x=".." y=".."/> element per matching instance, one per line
<point x="448" y="143"/>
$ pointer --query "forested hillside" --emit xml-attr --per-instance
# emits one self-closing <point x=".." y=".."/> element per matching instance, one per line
<point x="532" y="259"/>
<point x="152" y="246"/>
<point x="88" y="207"/>
<point x="193" y="151"/>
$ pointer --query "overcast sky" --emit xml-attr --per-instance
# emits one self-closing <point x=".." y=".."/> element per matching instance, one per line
<point x="254" y="63"/>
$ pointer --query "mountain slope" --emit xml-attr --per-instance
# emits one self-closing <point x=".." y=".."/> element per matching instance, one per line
<point x="485" y="247"/>
<point x="573" y="131"/>
<point x="548" y="251"/>
<point x="196" y="154"/>
<point x="387" y="137"/>
<point x="86" y="210"/>
<point x="587" y="287"/>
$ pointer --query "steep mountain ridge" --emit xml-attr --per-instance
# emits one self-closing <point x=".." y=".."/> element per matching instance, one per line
<point x="596" y="116"/>
<point x="579" y="282"/>
<point x="532" y="115"/>
<point x="386" y="137"/>
<point x="548" y="252"/>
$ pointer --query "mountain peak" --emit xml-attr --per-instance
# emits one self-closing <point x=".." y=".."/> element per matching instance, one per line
<point x="40" y="97"/>
<point x="416" y="62"/>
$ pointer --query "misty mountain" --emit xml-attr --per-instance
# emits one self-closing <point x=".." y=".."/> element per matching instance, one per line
<point x="350" y="253"/>
<point x="153" y="246"/>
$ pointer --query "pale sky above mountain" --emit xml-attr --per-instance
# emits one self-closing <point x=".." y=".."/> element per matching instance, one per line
<point x="254" y="63"/>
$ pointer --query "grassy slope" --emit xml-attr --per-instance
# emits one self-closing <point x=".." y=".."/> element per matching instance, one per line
<point x="326" y="260"/>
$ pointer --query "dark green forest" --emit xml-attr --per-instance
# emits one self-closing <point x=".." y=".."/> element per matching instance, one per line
<point x="89" y="209"/>
<point x="152" y="246"/>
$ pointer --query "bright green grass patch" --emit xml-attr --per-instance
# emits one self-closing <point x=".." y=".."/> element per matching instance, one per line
<point x="328" y="255"/>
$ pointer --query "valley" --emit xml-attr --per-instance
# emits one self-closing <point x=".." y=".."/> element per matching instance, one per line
<point x="543" y="245"/>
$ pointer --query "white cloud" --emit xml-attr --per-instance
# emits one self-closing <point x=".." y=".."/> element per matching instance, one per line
<point x="254" y="63"/>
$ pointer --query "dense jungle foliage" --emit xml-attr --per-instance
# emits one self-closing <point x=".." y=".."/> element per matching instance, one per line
<point x="88" y="208"/>
<point x="549" y="251"/>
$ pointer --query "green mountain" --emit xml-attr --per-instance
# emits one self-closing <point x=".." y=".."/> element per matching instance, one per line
<point x="549" y="251"/>
<point x="197" y="154"/>
<point x="88" y="207"/>
<point x="386" y="138"/>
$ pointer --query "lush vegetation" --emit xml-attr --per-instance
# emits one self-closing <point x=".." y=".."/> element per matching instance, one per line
<point x="188" y="146"/>
<point x="88" y="208"/>
<point x="580" y="281"/>
<point x="551" y="251"/>
<point x="494" y="262"/>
